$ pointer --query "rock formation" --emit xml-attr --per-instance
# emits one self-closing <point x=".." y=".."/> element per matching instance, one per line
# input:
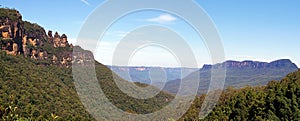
<point x="59" y="41"/>
<point x="56" y="40"/>
<point x="64" y="41"/>
<point x="50" y="36"/>
<point x="21" y="37"/>
<point x="33" y="54"/>
<point x="5" y="32"/>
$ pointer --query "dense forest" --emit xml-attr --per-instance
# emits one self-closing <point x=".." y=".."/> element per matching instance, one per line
<point x="278" y="100"/>
<point x="37" y="92"/>
<point x="43" y="89"/>
<point x="41" y="86"/>
<point x="34" y="91"/>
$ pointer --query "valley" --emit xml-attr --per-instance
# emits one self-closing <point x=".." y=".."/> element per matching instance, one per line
<point x="38" y="81"/>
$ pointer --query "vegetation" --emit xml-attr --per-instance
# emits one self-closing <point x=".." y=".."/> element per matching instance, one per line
<point x="34" y="30"/>
<point x="11" y="14"/>
<point x="38" y="90"/>
<point x="133" y="105"/>
<point x="239" y="77"/>
<point x="276" y="101"/>
<point x="42" y="91"/>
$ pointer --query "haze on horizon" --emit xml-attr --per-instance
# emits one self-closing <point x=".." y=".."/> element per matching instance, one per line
<point x="250" y="30"/>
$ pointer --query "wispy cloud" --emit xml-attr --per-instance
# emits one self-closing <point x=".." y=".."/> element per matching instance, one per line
<point x="164" y="18"/>
<point x="85" y="2"/>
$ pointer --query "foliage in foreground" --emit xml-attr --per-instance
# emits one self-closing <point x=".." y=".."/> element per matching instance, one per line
<point x="38" y="91"/>
<point x="44" y="92"/>
<point x="279" y="100"/>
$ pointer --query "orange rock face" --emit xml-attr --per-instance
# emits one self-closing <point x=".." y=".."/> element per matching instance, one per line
<point x="5" y="35"/>
<point x="24" y="40"/>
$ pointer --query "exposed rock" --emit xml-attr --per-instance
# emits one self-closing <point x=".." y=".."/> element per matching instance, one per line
<point x="60" y="41"/>
<point x="5" y="35"/>
<point x="56" y="40"/>
<point x="54" y="59"/>
<point x="17" y="31"/>
<point x="24" y="40"/>
<point x="17" y="36"/>
<point x="15" y="48"/>
<point x="5" y="32"/>
<point x="33" y="54"/>
<point x="25" y="50"/>
<point x="32" y="41"/>
<point x="50" y="36"/>
<point x="12" y="49"/>
<point x="63" y="61"/>
<point x="41" y="55"/>
<point x="64" y="41"/>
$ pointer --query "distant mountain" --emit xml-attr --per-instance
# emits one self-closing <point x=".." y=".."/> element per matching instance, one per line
<point x="239" y="74"/>
<point x="142" y="74"/>
<point x="36" y="81"/>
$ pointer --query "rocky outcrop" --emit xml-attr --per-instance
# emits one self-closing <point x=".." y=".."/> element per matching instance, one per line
<point x="11" y="30"/>
<point x="5" y="33"/>
<point x="29" y="39"/>
<point x="58" y="41"/>
<point x="50" y="36"/>
<point x="64" y="41"/>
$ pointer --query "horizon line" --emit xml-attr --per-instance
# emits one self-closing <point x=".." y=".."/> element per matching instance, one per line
<point x="199" y="67"/>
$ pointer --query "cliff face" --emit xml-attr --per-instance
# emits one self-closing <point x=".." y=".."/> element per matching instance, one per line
<point x="283" y="63"/>
<point x="238" y="74"/>
<point x="18" y="37"/>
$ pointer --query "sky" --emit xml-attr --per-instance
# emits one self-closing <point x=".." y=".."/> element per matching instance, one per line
<point x="250" y="30"/>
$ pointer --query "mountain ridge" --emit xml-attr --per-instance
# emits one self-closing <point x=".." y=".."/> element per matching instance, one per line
<point x="252" y="64"/>
<point x="141" y="73"/>
<point x="238" y="74"/>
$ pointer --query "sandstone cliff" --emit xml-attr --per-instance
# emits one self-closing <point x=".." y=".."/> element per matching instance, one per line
<point x="18" y="37"/>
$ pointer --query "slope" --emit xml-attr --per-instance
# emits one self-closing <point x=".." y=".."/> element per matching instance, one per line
<point x="278" y="100"/>
<point x="36" y="79"/>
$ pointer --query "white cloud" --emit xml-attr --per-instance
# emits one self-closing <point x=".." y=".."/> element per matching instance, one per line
<point x="85" y="2"/>
<point x="165" y="18"/>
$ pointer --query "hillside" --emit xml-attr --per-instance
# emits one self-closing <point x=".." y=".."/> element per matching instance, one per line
<point x="37" y="91"/>
<point x="278" y="100"/>
<point x="36" y="80"/>
<point x="239" y="74"/>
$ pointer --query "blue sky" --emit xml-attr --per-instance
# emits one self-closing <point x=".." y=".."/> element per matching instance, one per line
<point x="250" y="30"/>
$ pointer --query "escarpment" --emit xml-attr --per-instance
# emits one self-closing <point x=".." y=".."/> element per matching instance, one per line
<point x="18" y="37"/>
